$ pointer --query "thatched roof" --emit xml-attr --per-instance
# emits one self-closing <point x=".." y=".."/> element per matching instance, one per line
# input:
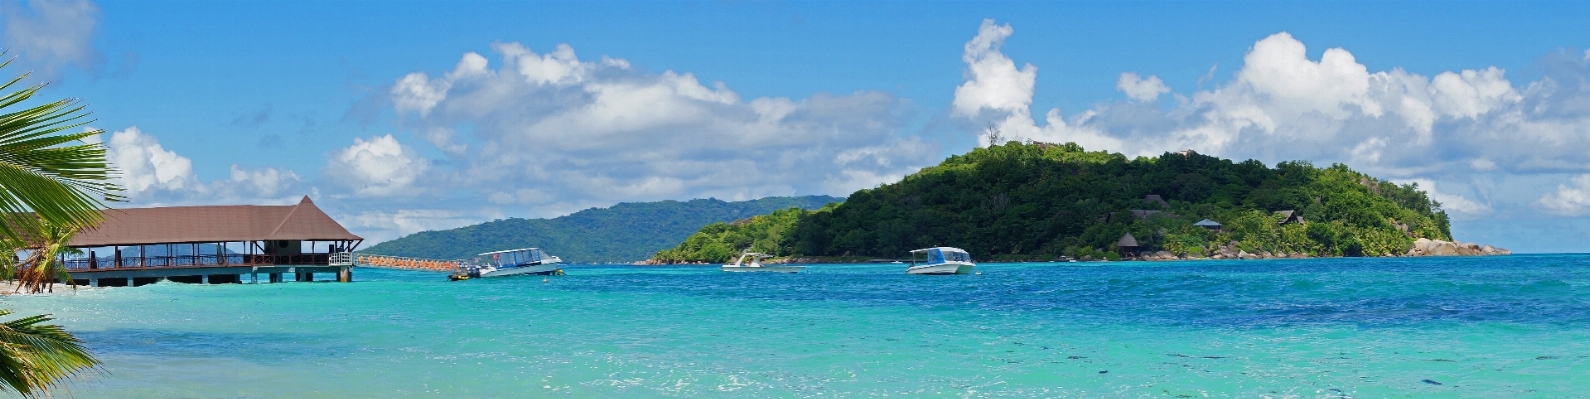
<point x="1155" y="199"/>
<point x="208" y="224"/>
<point x="1127" y="241"/>
<point x="1289" y="216"/>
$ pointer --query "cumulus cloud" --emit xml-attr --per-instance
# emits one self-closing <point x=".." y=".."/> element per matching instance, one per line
<point x="146" y="166"/>
<point x="1141" y="89"/>
<point x="379" y="166"/>
<point x="51" y="34"/>
<point x="1458" y="206"/>
<point x="1571" y="199"/>
<point x="156" y="176"/>
<point x="992" y="80"/>
<point x="541" y="129"/>
<point x="1474" y="130"/>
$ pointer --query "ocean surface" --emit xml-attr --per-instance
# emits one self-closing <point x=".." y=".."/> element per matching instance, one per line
<point x="1513" y="326"/>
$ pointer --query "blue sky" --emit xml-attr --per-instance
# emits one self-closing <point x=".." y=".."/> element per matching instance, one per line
<point x="404" y="116"/>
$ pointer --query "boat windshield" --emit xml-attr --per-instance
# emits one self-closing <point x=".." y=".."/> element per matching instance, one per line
<point x="957" y="256"/>
<point x="935" y="256"/>
<point x="516" y="258"/>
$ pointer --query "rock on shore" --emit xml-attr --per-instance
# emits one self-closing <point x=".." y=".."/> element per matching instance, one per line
<point x="1428" y="247"/>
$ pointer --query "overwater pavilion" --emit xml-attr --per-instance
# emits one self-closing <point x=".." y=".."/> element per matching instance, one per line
<point x="211" y="245"/>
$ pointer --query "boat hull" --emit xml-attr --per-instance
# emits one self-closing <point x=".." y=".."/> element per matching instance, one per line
<point x="532" y="269"/>
<point x="765" y="269"/>
<point x="942" y="268"/>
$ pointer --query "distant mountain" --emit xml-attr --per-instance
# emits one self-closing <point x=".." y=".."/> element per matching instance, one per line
<point x="626" y="232"/>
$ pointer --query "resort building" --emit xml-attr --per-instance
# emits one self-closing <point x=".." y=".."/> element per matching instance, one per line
<point x="212" y="244"/>
<point x="1208" y="224"/>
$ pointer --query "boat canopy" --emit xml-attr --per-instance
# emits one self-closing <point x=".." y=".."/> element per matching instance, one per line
<point x="945" y="254"/>
<point x="516" y="257"/>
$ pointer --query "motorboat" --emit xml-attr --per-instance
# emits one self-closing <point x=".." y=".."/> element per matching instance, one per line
<point x="755" y="264"/>
<point x="941" y="260"/>
<point x="515" y="262"/>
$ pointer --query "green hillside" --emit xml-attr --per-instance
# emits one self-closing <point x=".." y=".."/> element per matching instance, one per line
<point x="626" y="232"/>
<point x="1042" y="201"/>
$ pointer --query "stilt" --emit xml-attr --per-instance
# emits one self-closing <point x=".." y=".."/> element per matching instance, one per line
<point x="93" y="282"/>
<point x="253" y="277"/>
<point x="275" y="277"/>
<point x="204" y="279"/>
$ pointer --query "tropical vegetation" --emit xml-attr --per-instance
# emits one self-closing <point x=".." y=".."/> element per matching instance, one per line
<point x="1032" y="201"/>
<point x="626" y="232"/>
<point x="54" y="181"/>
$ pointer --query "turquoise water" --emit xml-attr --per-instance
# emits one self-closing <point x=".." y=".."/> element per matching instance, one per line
<point x="1516" y="326"/>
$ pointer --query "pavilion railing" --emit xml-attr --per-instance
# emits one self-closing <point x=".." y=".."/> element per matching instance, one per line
<point x="169" y="261"/>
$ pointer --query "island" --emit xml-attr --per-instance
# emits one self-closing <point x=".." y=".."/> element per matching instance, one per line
<point x="1039" y="201"/>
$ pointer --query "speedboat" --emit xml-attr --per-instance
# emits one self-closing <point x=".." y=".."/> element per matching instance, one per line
<point x="941" y="260"/>
<point x="515" y="262"/>
<point x="756" y="265"/>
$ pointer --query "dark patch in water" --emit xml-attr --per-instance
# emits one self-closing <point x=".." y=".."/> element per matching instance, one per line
<point x="1444" y="360"/>
<point x="1545" y="357"/>
<point x="1431" y="382"/>
<point x="1104" y="371"/>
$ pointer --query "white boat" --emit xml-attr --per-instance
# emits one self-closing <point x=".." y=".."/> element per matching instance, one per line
<point x="515" y="262"/>
<point x="756" y="265"/>
<point x="941" y="260"/>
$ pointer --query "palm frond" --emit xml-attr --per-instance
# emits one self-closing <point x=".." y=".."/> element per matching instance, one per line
<point x="46" y="169"/>
<point x="35" y="358"/>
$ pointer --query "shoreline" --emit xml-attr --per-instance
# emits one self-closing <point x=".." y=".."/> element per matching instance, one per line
<point x="9" y="288"/>
<point x="1422" y="247"/>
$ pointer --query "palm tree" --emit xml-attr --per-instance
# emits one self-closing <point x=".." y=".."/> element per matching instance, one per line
<point x="53" y="182"/>
<point x="36" y="357"/>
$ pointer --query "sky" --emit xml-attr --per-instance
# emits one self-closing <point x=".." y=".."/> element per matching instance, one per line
<point x="399" y="117"/>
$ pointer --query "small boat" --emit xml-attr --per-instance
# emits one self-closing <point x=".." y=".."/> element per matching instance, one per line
<point x="941" y="260"/>
<point x="515" y="262"/>
<point x="756" y="265"/>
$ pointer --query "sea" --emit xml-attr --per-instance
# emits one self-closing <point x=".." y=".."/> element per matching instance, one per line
<point x="1481" y="327"/>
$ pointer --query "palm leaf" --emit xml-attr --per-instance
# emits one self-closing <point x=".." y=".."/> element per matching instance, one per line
<point x="36" y="357"/>
<point x="46" y="170"/>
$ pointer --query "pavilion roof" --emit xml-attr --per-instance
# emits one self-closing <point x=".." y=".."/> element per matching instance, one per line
<point x="214" y="223"/>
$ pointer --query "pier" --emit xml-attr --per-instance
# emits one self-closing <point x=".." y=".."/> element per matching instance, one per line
<point x="399" y="262"/>
<point x="212" y="245"/>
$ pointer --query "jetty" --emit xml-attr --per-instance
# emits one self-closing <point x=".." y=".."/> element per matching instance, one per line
<point x="406" y="263"/>
<point x="212" y="245"/>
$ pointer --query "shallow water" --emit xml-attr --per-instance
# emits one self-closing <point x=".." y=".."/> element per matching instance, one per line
<point x="1515" y="326"/>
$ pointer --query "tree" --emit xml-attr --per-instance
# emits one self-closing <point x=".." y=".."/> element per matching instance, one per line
<point x="992" y="131"/>
<point x="36" y="357"/>
<point x="52" y="183"/>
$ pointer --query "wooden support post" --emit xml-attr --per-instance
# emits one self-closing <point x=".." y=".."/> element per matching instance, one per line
<point x="93" y="282"/>
<point x="204" y="278"/>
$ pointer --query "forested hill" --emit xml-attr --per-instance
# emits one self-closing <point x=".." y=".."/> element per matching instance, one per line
<point x="1040" y="201"/>
<point x="626" y="232"/>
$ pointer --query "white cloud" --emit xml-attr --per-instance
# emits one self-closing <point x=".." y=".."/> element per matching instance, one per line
<point x="1141" y="89"/>
<point x="52" y="34"/>
<point x="156" y="176"/>
<point x="992" y="80"/>
<point x="267" y="182"/>
<point x="1457" y="205"/>
<point x="539" y="130"/>
<point x="146" y="166"/>
<point x="376" y="167"/>
<point x="1473" y="129"/>
<point x="1570" y="199"/>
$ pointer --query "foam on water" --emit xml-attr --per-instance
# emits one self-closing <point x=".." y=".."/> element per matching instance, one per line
<point x="1516" y="326"/>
